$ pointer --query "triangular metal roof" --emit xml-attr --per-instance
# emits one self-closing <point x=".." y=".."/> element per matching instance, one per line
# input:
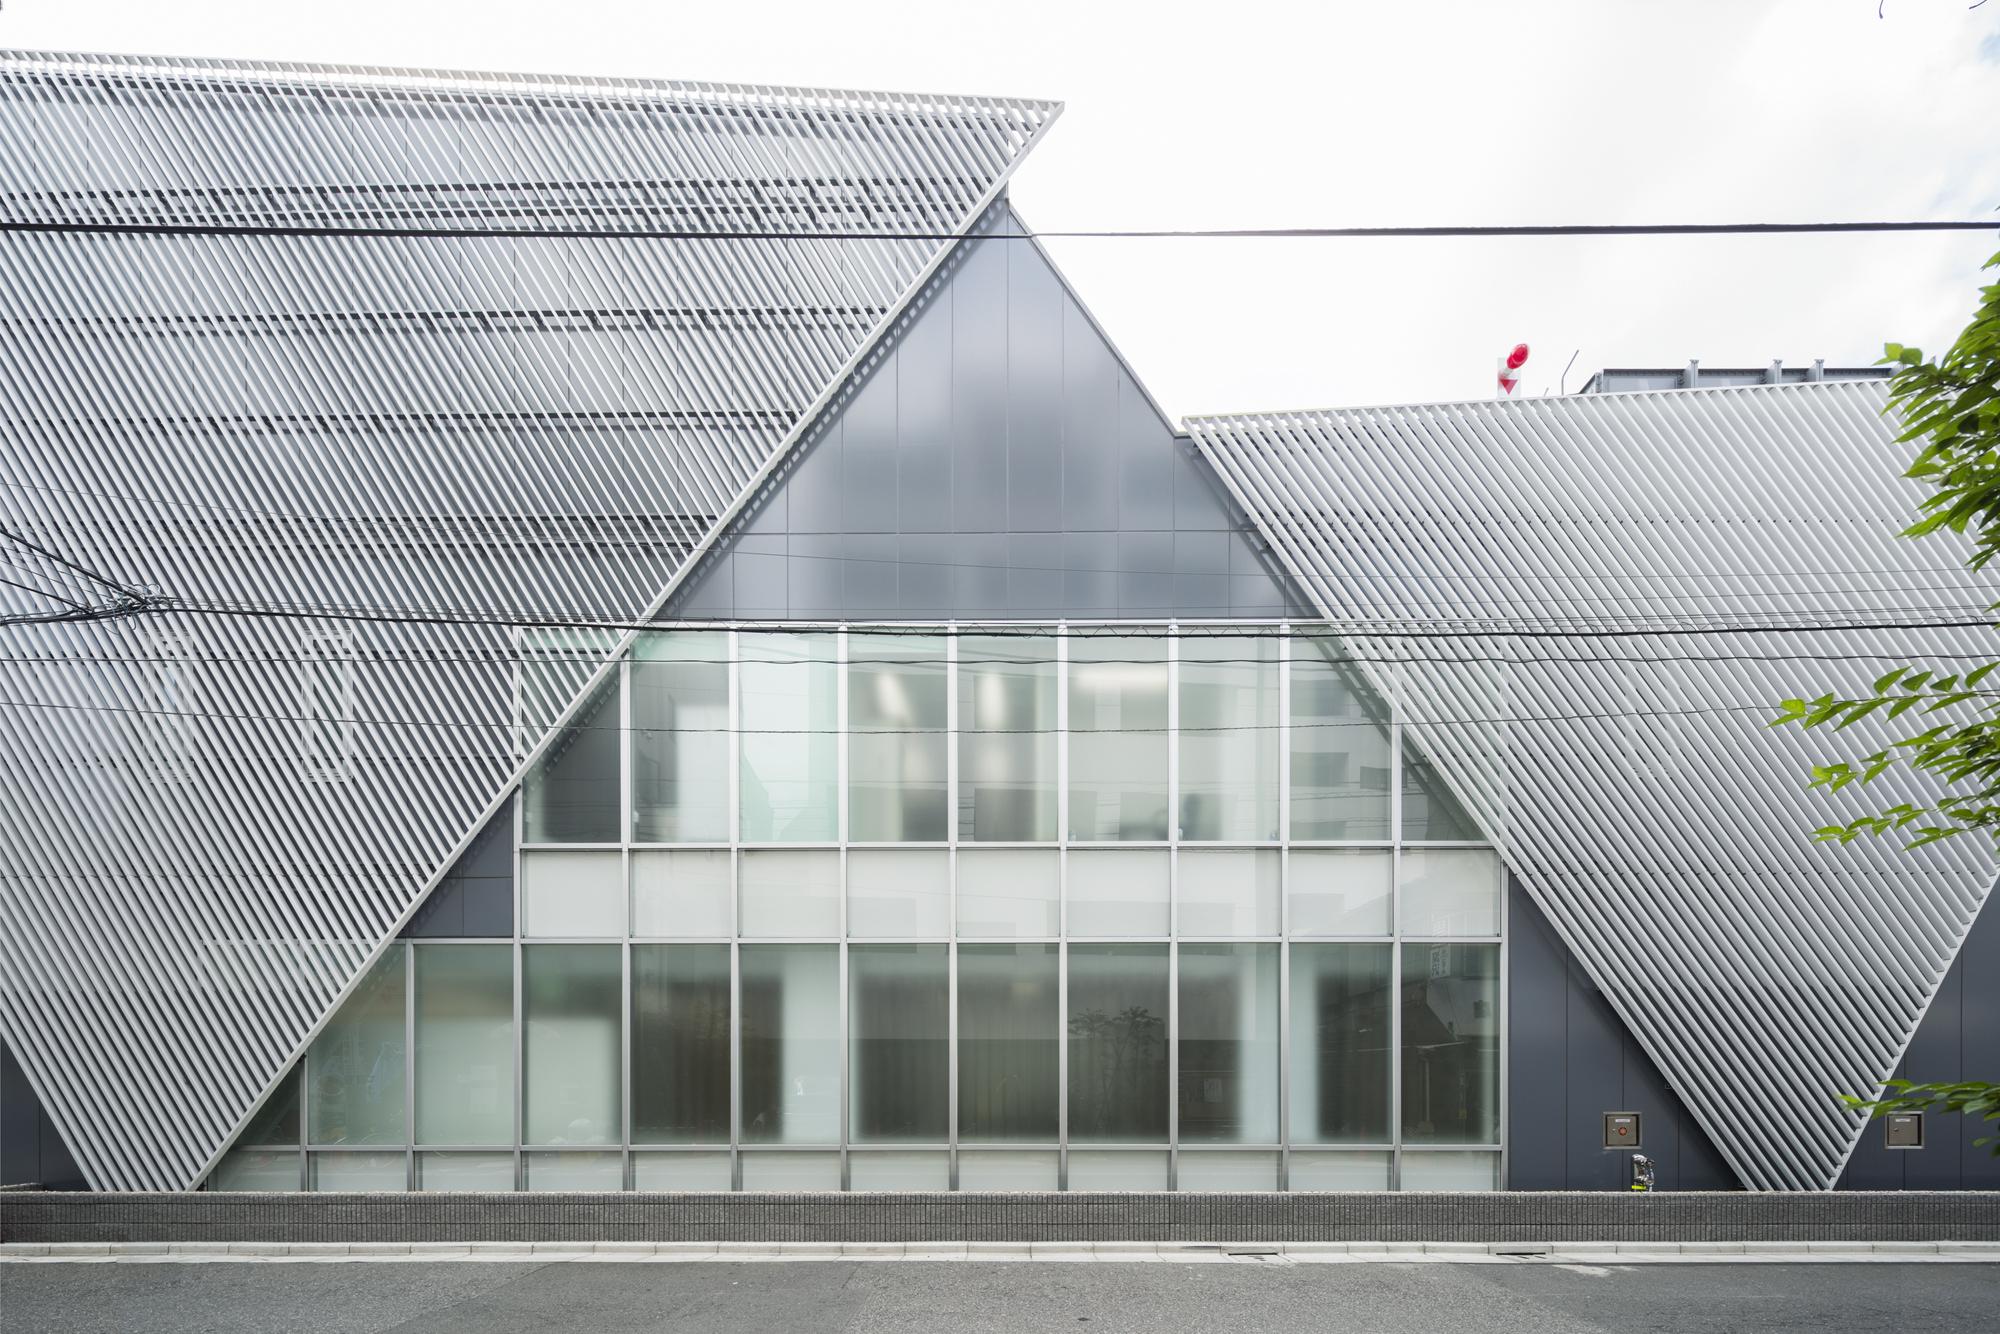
<point x="348" y="366"/>
<point x="1590" y="608"/>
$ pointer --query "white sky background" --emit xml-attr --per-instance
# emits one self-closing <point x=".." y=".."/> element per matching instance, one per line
<point x="1339" y="113"/>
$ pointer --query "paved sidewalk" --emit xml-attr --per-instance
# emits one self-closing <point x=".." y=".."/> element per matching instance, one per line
<point x="1283" y="1253"/>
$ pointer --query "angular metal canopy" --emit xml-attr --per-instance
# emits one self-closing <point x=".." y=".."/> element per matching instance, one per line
<point x="1590" y="608"/>
<point x="340" y="371"/>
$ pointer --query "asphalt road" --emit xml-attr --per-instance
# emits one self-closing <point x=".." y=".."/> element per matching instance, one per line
<point x="966" y="1298"/>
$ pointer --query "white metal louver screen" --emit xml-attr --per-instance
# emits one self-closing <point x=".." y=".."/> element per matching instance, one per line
<point x="526" y="391"/>
<point x="1606" y="575"/>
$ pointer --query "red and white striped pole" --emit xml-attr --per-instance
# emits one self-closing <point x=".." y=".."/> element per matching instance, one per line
<point x="1510" y="370"/>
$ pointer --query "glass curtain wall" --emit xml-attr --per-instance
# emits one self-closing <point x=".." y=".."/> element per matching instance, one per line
<point x="1009" y="908"/>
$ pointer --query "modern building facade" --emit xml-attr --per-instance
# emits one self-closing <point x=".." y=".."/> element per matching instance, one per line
<point x="595" y="635"/>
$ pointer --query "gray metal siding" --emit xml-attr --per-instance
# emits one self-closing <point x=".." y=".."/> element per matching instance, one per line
<point x="994" y="459"/>
<point x="1603" y="569"/>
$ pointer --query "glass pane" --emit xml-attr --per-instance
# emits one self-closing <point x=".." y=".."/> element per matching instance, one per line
<point x="1340" y="748"/>
<point x="791" y="894"/>
<point x="1009" y="1003"/>
<point x="898" y="894"/>
<point x="277" y="1121"/>
<point x="1117" y="1043"/>
<point x="681" y="893"/>
<point x="1118" y="893"/>
<point x="1006" y="1170"/>
<point x="465" y="1171"/>
<point x="899" y="999"/>
<point x="1229" y="737"/>
<point x="791" y="1171"/>
<point x="896" y="718"/>
<point x="1007" y="738"/>
<point x="258" y="1169"/>
<point x="1341" y="1039"/>
<point x="1340" y="893"/>
<point x="680" y="1044"/>
<point x="791" y="1045"/>
<point x="1097" y="1169"/>
<point x="680" y="738"/>
<point x="360" y="1171"/>
<point x="571" y="795"/>
<point x="898" y="1171"/>
<point x="1228" y="893"/>
<point x="355" y="1065"/>
<point x="1229" y="1044"/>
<point x="1226" y="1171"/>
<point x="571" y="1005"/>
<point x="790" y="774"/>
<point x="680" y="1171"/>
<point x="1451" y="1171"/>
<point x="1451" y="1044"/>
<point x="465" y="1044"/>
<point x="1340" y="1171"/>
<point x="575" y="1171"/>
<point x="573" y="894"/>
<point x="1430" y="813"/>
<point x="1117" y="737"/>
<point x="1009" y="892"/>
<point x="1450" y="892"/>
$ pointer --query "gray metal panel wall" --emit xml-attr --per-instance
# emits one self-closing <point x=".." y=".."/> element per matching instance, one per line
<point x="1959" y="1039"/>
<point x="31" y="1149"/>
<point x="1570" y="1060"/>
<point x="997" y="459"/>
<point x="476" y="896"/>
<point x="1626" y="586"/>
<point x="367" y="453"/>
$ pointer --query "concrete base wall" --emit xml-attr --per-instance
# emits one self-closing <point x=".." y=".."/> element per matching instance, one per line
<point x="1509" y="1216"/>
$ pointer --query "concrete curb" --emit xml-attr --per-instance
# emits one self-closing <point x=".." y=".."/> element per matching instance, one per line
<point x="1608" y="1253"/>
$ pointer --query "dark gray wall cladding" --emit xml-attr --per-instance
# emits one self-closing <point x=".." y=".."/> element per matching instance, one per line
<point x="994" y="458"/>
<point x="1570" y="1060"/>
<point x="476" y="897"/>
<point x="1957" y="1039"/>
<point x="31" y="1152"/>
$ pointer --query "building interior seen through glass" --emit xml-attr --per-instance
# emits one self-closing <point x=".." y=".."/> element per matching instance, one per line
<point x="993" y="908"/>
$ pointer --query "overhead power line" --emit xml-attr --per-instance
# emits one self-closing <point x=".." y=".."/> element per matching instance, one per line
<point x="1461" y="231"/>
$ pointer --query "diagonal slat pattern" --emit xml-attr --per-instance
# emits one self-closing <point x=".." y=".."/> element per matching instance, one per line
<point x="1582" y="557"/>
<point x="340" y="463"/>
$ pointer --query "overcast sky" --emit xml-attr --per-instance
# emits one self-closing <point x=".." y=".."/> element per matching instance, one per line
<point x="1336" y="113"/>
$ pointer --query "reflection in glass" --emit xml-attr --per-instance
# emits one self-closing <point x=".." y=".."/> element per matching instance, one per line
<point x="1451" y="1044"/>
<point x="1336" y="892"/>
<point x="1006" y="1170"/>
<point x="680" y="1171"/>
<point x="791" y="1171"/>
<point x="1117" y="737"/>
<point x="1198" y="1170"/>
<point x="791" y="893"/>
<point x="878" y="1170"/>
<point x="1229" y="1044"/>
<point x="355" y="1066"/>
<point x="1341" y="1044"/>
<point x="680" y="1044"/>
<point x="576" y="1171"/>
<point x="1008" y="1042"/>
<point x="898" y="1010"/>
<point x="896" y="718"/>
<point x="1340" y="1171"/>
<point x="360" y="1171"/>
<point x="681" y="892"/>
<point x="1340" y="748"/>
<point x="465" y="1171"/>
<point x="1007" y="738"/>
<point x="790" y="776"/>
<point x="1117" y="1043"/>
<point x="1451" y="1171"/>
<point x="680" y="738"/>
<point x="259" y="1170"/>
<point x="1430" y="813"/>
<point x="571" y="795"/>
<point x="1229" y="737"/>
<point x="791" y="1045"/>
<point x="1106" y="1169"/>
<point x="570" y="1004"/>
<point x="465" y="1044"/>
<point x="570" y="893"/>
<point x="277" y="1121"/>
